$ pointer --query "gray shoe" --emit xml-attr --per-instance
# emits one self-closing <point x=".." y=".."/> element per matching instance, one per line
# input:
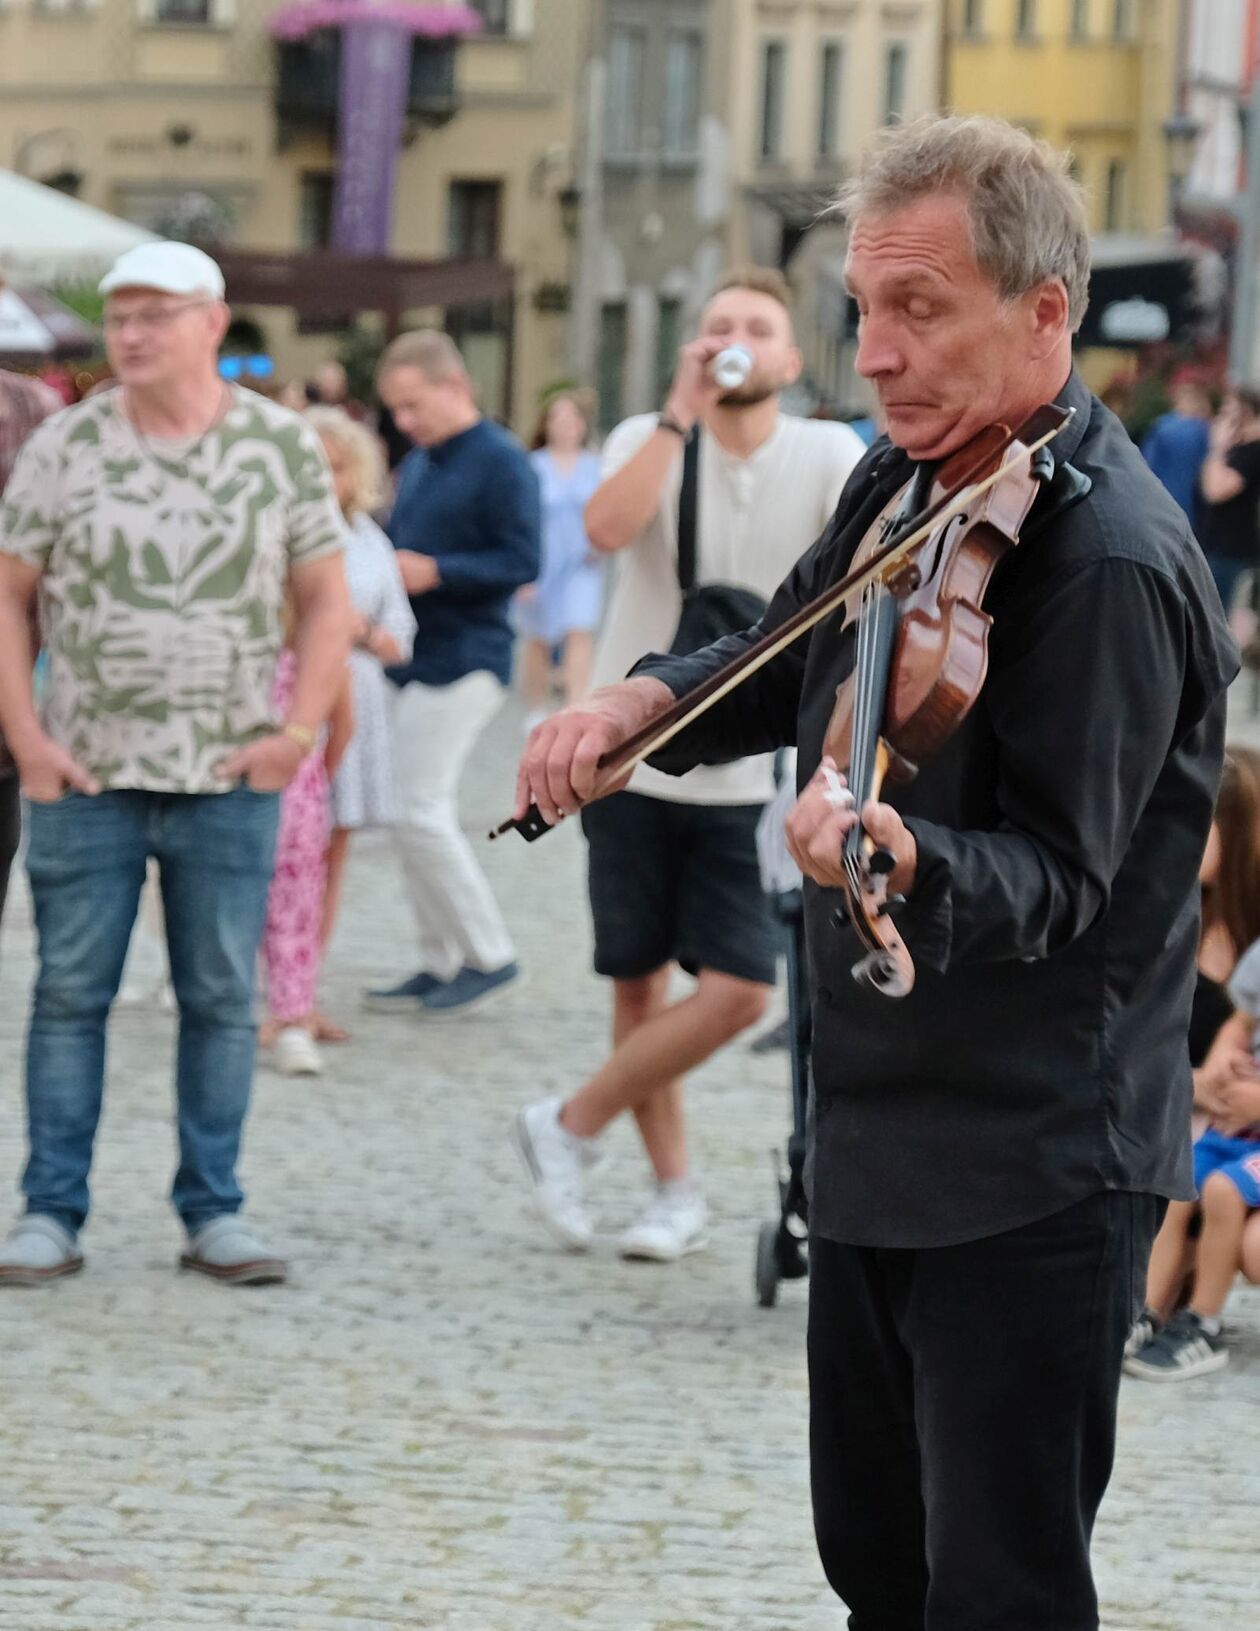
<point x="36" y="1251"/>
<point x="227" y="1249"/>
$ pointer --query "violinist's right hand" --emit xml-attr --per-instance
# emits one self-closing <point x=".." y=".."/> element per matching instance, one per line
<point x="559" y="769"/>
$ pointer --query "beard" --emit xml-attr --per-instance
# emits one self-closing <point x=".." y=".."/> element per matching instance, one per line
<point x="748" y="395"/>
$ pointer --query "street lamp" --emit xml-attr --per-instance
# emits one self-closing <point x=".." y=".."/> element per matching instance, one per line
<point x="570" y="201"/>
<point x="1181" y="136"/>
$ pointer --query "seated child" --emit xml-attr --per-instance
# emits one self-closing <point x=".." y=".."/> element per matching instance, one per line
<point x="1227" y="1176"/>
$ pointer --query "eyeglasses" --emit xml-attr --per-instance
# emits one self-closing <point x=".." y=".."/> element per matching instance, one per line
<point x="148" y="319"/>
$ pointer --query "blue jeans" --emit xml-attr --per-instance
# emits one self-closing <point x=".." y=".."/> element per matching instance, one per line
<point x="1225" y="574"/>
<point x="86" y="858"/>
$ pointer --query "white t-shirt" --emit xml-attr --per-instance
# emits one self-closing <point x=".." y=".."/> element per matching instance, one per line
<point x="755" y="518"/>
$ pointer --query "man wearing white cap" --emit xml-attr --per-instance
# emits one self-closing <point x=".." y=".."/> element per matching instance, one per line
<point x="161" y="524"/>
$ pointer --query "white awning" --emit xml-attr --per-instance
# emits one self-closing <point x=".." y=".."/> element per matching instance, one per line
<point x="45" y="236"/>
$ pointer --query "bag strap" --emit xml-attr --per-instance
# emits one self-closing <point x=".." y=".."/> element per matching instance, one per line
<point x="687" y="512"/>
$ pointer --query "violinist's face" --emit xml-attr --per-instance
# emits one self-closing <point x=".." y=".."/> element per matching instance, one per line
<point x="945" y="351"/>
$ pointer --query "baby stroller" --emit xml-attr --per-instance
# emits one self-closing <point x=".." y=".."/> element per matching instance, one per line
<point x="781" y="1245"/>
<point x="781" y="1248"/>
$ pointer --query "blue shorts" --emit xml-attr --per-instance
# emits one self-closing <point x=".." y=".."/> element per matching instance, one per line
<point x="1237" y="1158"/>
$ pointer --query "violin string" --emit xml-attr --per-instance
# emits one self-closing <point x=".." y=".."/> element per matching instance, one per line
<point x="855" y="730"/>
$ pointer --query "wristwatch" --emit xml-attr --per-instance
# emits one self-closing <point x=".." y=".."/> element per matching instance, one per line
<point x="303" y="735"/>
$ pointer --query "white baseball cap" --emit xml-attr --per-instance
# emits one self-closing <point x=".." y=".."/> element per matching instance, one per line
<point x="171" y="267"/>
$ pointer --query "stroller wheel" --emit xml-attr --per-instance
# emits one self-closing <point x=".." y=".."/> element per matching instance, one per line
<point x="767" y="1275"/>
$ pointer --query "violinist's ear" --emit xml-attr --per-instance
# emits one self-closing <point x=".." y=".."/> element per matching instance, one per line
<point x="1050" y="317"/>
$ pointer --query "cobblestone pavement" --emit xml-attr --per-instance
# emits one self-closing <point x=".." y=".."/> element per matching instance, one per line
<point x="443" y="1421"/>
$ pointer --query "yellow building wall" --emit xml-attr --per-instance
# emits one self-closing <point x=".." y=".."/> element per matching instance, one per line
<point x="101" y="89"/>
<point x="1100" y="97"/>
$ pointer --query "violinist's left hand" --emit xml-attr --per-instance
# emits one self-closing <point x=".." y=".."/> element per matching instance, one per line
<point x="822" y="818"/>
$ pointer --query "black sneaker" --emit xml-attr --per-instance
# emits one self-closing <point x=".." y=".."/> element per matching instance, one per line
<point x="469" y="989"/>
<point x="1147" y="1325"/>
<point x="1181" y="1350"/>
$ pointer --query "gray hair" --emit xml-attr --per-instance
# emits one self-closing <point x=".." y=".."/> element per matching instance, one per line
<point x="1027" y="212"/>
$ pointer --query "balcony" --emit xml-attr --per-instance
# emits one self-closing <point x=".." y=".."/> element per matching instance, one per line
<point x="308" y="76"/>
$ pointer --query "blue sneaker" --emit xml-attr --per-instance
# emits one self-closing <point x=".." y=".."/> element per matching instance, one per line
<point x="467" y="990"/>
<point x="406" y="997"/>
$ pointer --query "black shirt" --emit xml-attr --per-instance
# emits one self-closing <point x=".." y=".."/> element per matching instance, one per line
<point x="1054" y="922"/>
<point x="1232" y="527"/>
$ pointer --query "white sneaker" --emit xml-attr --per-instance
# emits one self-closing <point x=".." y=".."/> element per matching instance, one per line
<point x="297" y="1053"/>
<point x="37" y="1250"/>
<point x="674" y="1223"/>
<point x="557" y="1163"/>
<point x="157" y="994"/>
<point x="227" y="1249"/>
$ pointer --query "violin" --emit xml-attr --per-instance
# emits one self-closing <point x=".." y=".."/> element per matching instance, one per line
<point x="914" y="592"/>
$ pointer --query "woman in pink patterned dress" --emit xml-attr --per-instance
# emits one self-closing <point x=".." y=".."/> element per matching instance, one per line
<point x="295" y="905"/>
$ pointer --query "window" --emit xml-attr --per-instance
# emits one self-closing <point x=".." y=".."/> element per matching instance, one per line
<point x="495" y="15"/>
<point x="1117" y="177"/>
<point x="1080" y="19"/>
<point x="625" y="92"/>
<point x="682" y="95"/>
<point x="1025" y="19"/>
<point x="668" y="342"/>
<point x="611" y="364"/>
<point x="829" y="100"/>
<point x="973" y="17"/>
<point x="773" y="84"/>
<point x="182" y="11"/>
<point x="472" y="222"/>
<point x="895" y="82"/>
<point x="1122" y="19"/>
<point x="315" y="209"/>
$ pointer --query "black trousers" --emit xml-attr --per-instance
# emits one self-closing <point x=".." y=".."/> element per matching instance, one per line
<point x="10" y="830"/>
<point x="963" y="1414"/>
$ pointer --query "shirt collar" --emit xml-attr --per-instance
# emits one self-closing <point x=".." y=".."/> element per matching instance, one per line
<point x="440" y="452"/>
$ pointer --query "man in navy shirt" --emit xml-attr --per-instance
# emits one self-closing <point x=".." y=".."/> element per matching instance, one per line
<point x="466" y="528"/>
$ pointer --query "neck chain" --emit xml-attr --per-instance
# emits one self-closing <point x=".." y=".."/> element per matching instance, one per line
<point x="146" y="446"/>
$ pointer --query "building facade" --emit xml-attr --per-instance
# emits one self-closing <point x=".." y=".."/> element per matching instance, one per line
<point x="168" y="112"/>
<point x="716" y="133"/>
<point x="655" y="195"/>
<point x="809" y="81"/>
<point x="1096" y="77"/>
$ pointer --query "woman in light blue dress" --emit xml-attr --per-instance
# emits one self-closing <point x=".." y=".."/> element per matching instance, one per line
<point x="559" y="612"/>
<point x="363" y="791"/>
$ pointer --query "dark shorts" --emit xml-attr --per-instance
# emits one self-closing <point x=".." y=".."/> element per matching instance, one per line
<point x="678" y="883"/>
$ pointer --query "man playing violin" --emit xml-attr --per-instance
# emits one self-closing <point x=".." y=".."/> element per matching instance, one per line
<point x="992" y="1154"/>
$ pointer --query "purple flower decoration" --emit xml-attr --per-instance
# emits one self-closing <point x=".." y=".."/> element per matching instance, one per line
<point x="303" y="17"/>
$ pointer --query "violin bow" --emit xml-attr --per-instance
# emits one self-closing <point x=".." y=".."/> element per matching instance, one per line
<point x="1043" y="426"/>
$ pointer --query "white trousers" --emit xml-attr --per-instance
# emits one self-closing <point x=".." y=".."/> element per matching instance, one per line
<point x="436" y="727"/>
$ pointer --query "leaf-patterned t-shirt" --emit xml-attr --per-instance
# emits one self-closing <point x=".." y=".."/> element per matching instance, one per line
<point x="164" y="573"/>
